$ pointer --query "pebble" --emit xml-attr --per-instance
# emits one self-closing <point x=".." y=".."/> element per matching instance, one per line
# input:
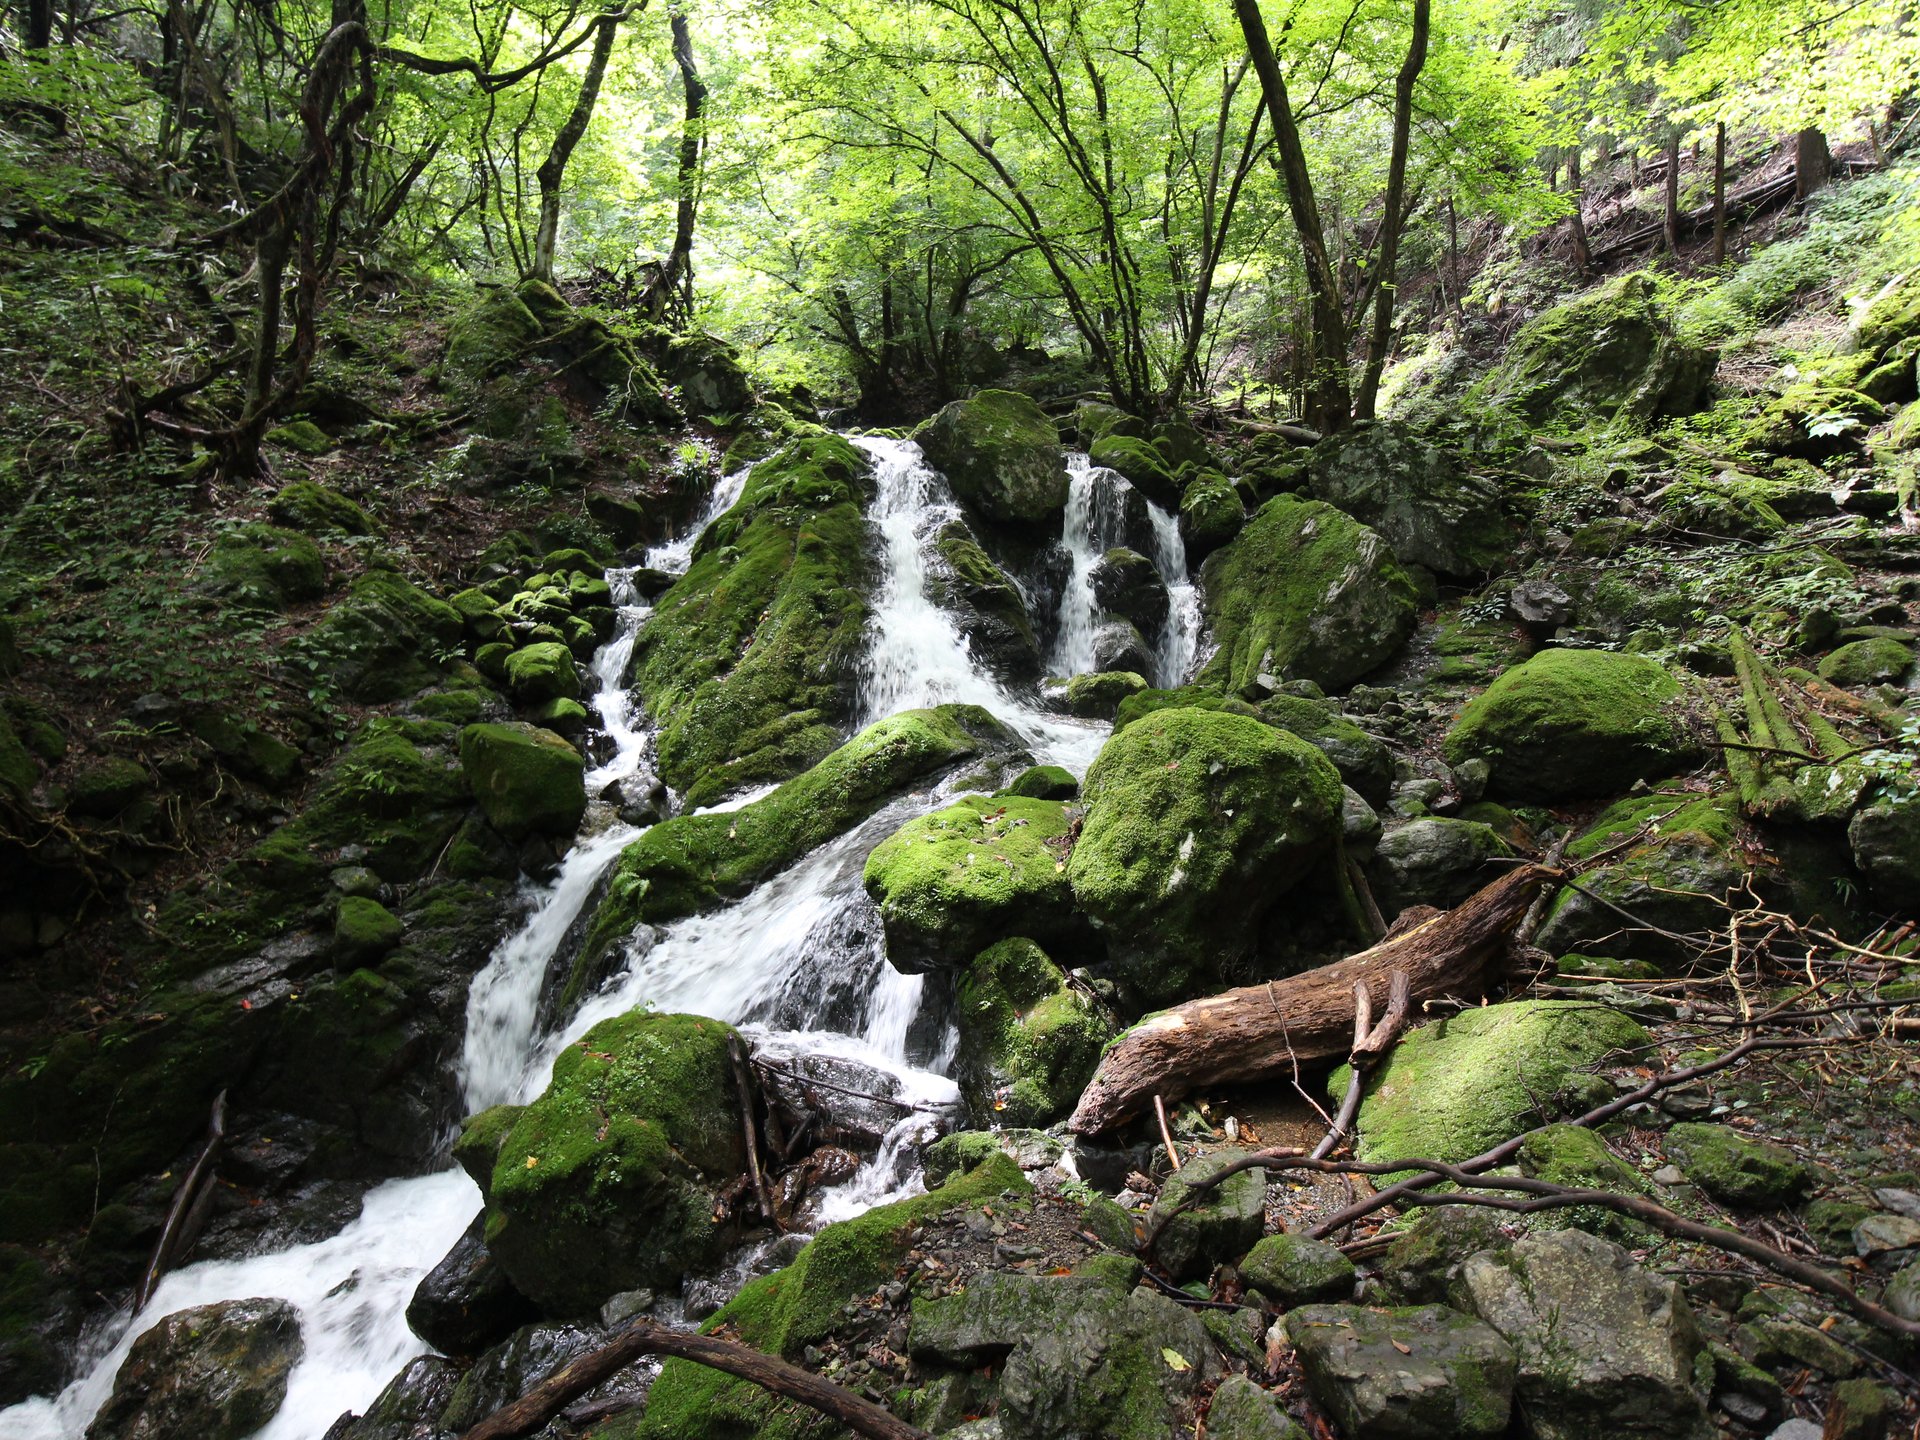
<point x="1669" y="1175"/>
<point x="1796" y="1430"/>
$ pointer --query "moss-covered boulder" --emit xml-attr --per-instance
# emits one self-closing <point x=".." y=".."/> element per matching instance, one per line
<point x="1044" y="782"/>
<point x="692" y="863"/>
<point x="1868" y="662"/>
<point x="1196" y="822"/>
<point x="543" y="671"/>
<point x="1135" y="460"/>
<point x="1738" y="1169"/>
<point x="987" y="605"/>
<point x="1456" y="1087"/>
<point x="364" y="930"/>
<point x="707" y="372"/>
<point x="1126" y="584"/>
<point x="749" y="661"/>
<point x="951" y="883"/>
<point x="1100" y="695"/>
<point x="607" y="1182"/>
<point x="1291" y="1269"/>
<point x="783" y="1313"/>
<point x="1002" y="456"/>
<point x="215" y="1371"/>
<point x="1813" y="420"/>
<point x="1029" y="1040"/>
<point x="317" y="509"/>
<point x="1610" y="354"/>
<point x="1416" y="495"/>
<point x="1685" y="861"/>
<point x="1423" y="1373"/>
<point x="106" y="786"/>
<point x="381" y="642"/>
<point x="266" y="567"/>
<point x="1304" y="593"/>
<point x="1211" y="514"/>
<point x="1571" y="723"/>
<point x="527" y="779"/>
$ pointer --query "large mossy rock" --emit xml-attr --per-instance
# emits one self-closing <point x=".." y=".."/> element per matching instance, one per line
<point x="1425" y="1373"/>
<point x="1738" y="1169"/>
<point x="1304" y="593"/>
<point x="215" y="1372"/>
<point x="1573" y="723"/>
<point x="1605" y="1349"/>
<point x="1084" y="1355"/>
<point x="1199" y="1230"/>
<point x="1609" y="354"/>
<point x="1678" y="875"/>
<point x="692" y="863"/>
<point x="749" y="663"/>
<point x="1456" y="1087"/>
<point x="380" y="642"/>
<point x="528" y="780"/>
<point x="987" y="605"/>
<point x="1141" y="465"/>
<point x="783" y="1313"/>
<point x="1002" y="456"/>
<point x="1197" y="821"/>
<point x="608" y="1181"/>
<point x="951" y="883"/>
<point x="1416" y="495"/>
<point x="265" y="567"/>
<point x="318" y="509"/>
<point x="1029" y="1040"/>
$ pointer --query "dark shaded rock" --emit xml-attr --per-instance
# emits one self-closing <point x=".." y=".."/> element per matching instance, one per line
<point x="1416" y="495"/>
<point x="409" y="1408"/>
<point x="217" y="1372"/>
<point x="1118" y="646"/>
<point x="466" y="1303"/>
<point x="511" y="1368"/>
<point x="987" y="604"/>
<point x="1125" y="583"/>
<point x="1434" y="862"/>
<point x="1002" y="456"/>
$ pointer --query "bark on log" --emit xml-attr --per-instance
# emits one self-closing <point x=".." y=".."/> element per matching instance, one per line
<point x="1261" y="1030"/>
<point x="573" y="1380"/>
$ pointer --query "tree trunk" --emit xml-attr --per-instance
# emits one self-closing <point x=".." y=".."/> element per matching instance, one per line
<point x="1392" y="220"/>
<point x="676" y="275"/>
<point x="1582" y="251"/>
<point x="1812" y="162"/>
<point x="1330" y="406"/>
<point x="1719" y="192"/>
<point x="1263" y="1030"/>
<point x="1670" y="214"/>
<point x="554" y="168"/>
<point x="39" y="24"/>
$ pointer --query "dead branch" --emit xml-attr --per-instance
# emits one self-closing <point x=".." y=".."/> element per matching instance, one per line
<point x="647" y="1337"/>
<point x="743" y="1086"/>
<point x="1259" y="1030"/>
<point x="188" y="1213"/>
<point x="1370" y="1042"/>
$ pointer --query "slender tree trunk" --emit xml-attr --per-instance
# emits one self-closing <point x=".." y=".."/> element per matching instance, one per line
<point x="676" y="276"/>
<point x="1812" y="162"/>
<point x="1719" y="193"/>
<point x="1671" y="211"/>
<point x="1330" y="407"/>
<point x="1577" y="222"/>
<point x="1453" y="254"/>
<point x="554" y="168"/>
<point x="1392" y="220"/>
<point x="39" y="24"/>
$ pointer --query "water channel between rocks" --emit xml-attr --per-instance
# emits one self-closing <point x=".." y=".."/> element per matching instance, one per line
<point x="798" y="964"/>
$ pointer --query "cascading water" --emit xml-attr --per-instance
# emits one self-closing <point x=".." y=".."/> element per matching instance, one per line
<point x="797" y="963"/>
<point x="1096" y="522"/>
<point x="1180" y="636"/>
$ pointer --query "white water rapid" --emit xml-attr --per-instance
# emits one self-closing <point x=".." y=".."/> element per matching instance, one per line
<point x="797" y="963"/>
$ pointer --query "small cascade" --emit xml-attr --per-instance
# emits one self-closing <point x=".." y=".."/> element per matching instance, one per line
<point x="1096" y="522"/>
<point x="1180" y="636"/>
<point x="674" y="556"/>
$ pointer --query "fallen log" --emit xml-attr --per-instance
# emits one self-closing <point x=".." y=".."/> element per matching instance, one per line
<point x="646" y="1337"/>
<point x="187" y="1215"/>
<point x="1261" y="1030"/>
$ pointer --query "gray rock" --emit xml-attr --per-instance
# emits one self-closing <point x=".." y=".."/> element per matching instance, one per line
<point x="1796" y="1430"/>
<point x="1886" y="1238"/>
<point x="1605" y="1348"/>
<point x="1359" y="822"/>
<point x="1902" y="1294"/>
<point x="1416" y="495"/>
<point x="1541" y="606"/>
<point x="1885" y="839"/>
<point x="1427" y="1373"/>
<point x="1241" y="1410"/>
<point x="1421" y="1265"/>
<point x="1296" y="1270"/>
<point x="1117" y="645"/>
<point x="409" y="1408"/>
<point x="1434" y="862"/>
<point x="215" y="1372"/>
<point x="1221" y="1228"/>
<point x="510" y="1369"/>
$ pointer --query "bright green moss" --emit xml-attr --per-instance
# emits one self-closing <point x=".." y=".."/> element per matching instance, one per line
<point x="318" y="510"/>
<point x="951" y="883"/>
<point x="1456" y="1087"/>
<point x="1570" y="723"/>
<point x="1196" y="822"/>
<point x="606" y="1182"/>
<point x="527" y="780"/>
<point x="1304" y="593"/>
<point x="749" y="661"/>
<point x="1868" y="662"/>
<point x="696" y="862"/>
<point x="783" y="1313"/>
<point x="1002" y="456"/>
<point x="1576" y="1157"/>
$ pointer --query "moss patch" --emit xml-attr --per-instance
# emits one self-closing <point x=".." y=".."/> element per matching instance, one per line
<point x="1029" y="1041"/>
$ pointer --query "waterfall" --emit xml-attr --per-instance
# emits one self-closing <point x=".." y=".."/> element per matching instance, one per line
<point x="1180" y="636"/>
<point x="798" y="963"/>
